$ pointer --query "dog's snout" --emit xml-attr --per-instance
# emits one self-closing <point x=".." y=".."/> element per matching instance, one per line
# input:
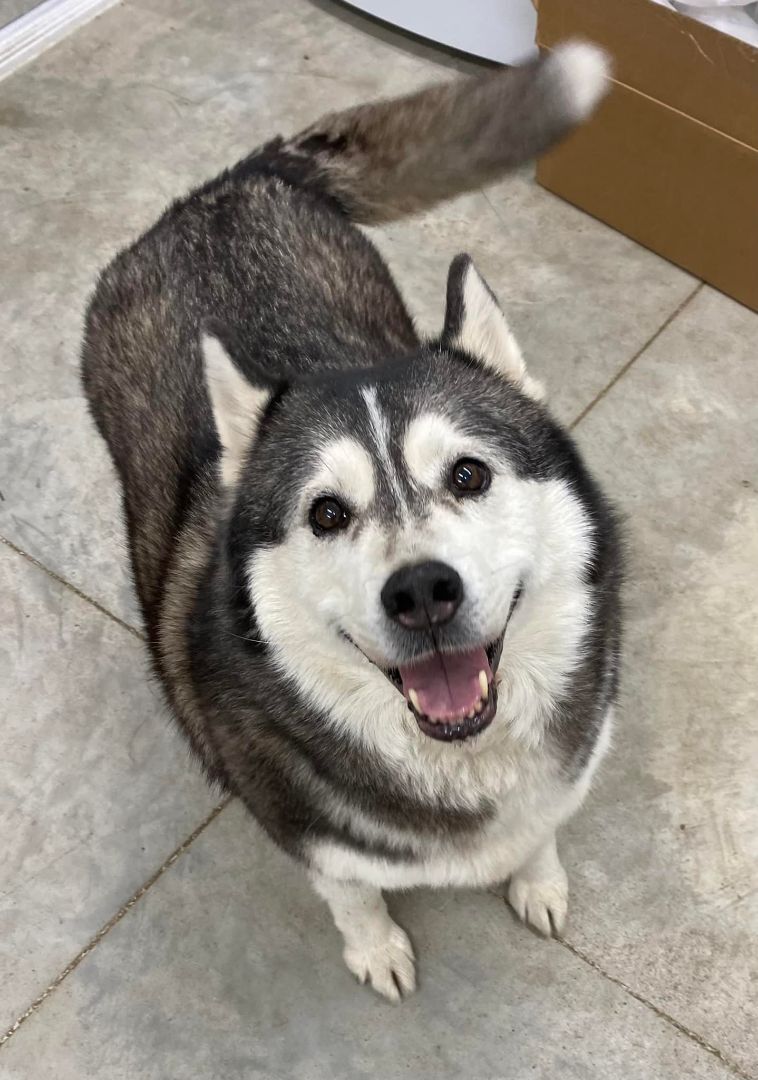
<point x="423" y="594"/>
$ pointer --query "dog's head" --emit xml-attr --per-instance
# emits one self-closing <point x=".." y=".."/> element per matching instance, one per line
<point x="394" y="527"/>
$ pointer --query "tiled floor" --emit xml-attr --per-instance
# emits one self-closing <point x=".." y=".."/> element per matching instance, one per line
<point x="225" y="966"/>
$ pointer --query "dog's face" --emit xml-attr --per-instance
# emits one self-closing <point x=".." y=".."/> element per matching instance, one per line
<point x="392" y="522"/>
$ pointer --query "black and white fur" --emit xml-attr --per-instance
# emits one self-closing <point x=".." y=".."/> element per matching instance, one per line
<point x="249" y="356"/>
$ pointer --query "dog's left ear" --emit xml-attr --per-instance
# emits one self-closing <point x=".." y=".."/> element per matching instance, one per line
<point x="475" y="323"/>
<point x="237" y="404"/>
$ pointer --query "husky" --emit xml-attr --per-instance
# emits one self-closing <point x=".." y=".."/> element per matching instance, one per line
<point x="380" y="587"/>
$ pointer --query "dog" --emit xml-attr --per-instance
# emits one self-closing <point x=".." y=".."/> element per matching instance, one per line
<point x="380" y="587"/>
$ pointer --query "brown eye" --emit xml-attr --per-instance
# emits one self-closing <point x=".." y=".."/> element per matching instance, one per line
<point x="469" y="477"/>
<point x="327" y="515"/>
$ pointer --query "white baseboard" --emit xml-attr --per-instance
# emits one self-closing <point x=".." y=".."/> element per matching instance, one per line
<point x="28" y="36"/>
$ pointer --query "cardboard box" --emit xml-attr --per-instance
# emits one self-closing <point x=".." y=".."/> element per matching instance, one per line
<point x="671" y="157"/>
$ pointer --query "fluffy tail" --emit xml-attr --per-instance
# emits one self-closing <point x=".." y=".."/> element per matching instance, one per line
<point x="391" y="158"/>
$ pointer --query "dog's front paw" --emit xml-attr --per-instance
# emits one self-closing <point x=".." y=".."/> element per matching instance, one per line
<point x="388" y="964"/>
<point x="541" y="901"/>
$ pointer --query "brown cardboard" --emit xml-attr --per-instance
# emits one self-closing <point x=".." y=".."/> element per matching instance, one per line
<point x="671" y="157"/>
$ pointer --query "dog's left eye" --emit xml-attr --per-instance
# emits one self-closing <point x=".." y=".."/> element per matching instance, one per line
<point x="328" y="515"/>
<point x="469" y="477"/>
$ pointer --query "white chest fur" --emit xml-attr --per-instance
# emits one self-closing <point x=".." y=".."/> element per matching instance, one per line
<point x="532" y="802"/>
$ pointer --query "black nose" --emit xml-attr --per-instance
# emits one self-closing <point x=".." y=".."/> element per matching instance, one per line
<point x="428" y="593"/>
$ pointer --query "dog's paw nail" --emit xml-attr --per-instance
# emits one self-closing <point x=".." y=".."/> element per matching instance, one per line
<point x="388" y="965"/>
<point x="541" y="904"/>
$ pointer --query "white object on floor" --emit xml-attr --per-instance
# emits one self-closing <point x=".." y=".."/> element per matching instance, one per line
<point x="28" y="36"/>
<point x="502" y="30"/>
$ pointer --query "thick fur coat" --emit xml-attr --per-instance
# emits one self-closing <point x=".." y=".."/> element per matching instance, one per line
<point x="379" y="585"/>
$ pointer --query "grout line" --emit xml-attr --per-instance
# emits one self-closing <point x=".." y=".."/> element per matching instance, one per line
<point x="574" y="423"/>
<point x="659" y="1012"/>
<point x="625" y="367"/>
<point x="137" y="896"/>
<point x="623" y="370"/>
<point x="578" y="953"/>
<point x="72" y="588"/>
<point x="122" y="911"/>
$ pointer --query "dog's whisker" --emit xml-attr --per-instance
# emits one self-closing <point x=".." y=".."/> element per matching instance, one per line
<point x="245" y="637"/>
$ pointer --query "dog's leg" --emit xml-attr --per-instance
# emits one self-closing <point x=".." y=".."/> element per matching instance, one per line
<point x="538" y="891"/>
<point x="376" y="949"/>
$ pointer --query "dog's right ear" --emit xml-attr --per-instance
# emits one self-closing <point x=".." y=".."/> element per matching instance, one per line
<point x="476" y="324"/>
<point x="238" y="406"/>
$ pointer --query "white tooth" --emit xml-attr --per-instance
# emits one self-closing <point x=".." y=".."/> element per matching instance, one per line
<point x="484" y="686"/>
<point x="471" y="715"/>
<point x="413" y="698"/>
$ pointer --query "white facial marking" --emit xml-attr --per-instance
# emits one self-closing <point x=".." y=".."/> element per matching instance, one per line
<point x="305" y="591"/>
<point x="433" y="443"/>
<point x="381" y="431"/>
<point x="346" y="469"/>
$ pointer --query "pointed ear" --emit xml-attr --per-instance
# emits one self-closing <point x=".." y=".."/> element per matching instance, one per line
<point x="237" y="406"/>
<point x="475" y="323"/>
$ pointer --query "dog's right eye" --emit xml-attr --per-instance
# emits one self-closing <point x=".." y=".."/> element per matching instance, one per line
<point x="469" y="477"/>
<point x="328" y="515"/>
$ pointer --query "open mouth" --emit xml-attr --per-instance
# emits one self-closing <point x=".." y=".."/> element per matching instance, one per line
<point x="453" y="695"/>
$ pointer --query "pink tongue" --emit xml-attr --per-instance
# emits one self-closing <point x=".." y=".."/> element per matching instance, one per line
<point x="447" y="685"/>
